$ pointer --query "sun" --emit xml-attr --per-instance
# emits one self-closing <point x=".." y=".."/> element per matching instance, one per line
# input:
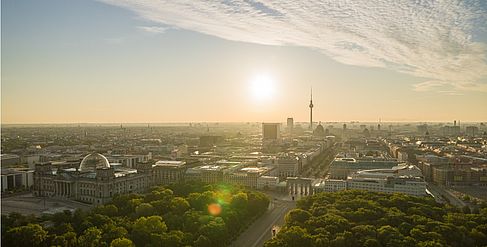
<point x="262" y="87"/>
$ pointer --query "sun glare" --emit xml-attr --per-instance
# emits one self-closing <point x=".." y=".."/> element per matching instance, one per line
<point x="262" y="87"/>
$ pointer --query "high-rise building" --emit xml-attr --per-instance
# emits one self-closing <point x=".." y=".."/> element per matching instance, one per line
<point x="270" y="131"/>
<point x="472" y="130"/>
<point x="290" y="124"/>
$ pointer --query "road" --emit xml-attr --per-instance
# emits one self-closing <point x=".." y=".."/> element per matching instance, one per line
<point x="447" y="194"/>
<point x="261" y="230"/>
<point x="320" y="165"/>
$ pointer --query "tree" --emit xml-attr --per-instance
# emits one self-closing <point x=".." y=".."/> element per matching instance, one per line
<point x="360" y="218"/>
<point x="215" y="230"/>
<point x="122" y="242"/>
<point x="138" y="218"/>
<point x="99" y="220"/>
<point x="179" y="205"/>
<point x="386" y="234"/>
<point x="109" y="210"/>
<point x="240" y="202"/>
<point x="257" y="202"/>
<point x="30" y="235"/>
<point x="344" y="239"/>
<point x="91" y="237"/>
<point x="62" y="217"/>
<point x="144" y="209"/>
<point x="371" y="242"/>
<point x="144" y="227"/>
<point x="111" y="232"/>
<point x="173" y="238"/>
<point x="362" y="233"/>
<point x="430" y="243"/>
<point x="191" y="221"/>
<point x="297" y="217"/>
<point x="61" y="229"/>
<point x="295" y="236"/>
<point x="59" y="240"/>
<point x="71" y="239"/>
<point x="202" y="241"/>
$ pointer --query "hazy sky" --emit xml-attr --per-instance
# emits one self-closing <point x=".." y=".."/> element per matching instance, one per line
<point x="175" y="61"/>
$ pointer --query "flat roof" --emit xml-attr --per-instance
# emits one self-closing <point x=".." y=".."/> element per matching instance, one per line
<point x="170" y="163"/>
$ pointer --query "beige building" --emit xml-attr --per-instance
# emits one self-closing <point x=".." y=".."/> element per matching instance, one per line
<point x="96" y="181"/>
<point x="168" y="171"/>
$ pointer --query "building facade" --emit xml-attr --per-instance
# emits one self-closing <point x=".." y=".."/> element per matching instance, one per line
<point x="16" y="178"/>
<point x="400" y="179"/>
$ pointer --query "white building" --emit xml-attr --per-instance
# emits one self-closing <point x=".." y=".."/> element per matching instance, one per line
<point x="405" y="179"/>
<point x="267" y="182"/>
<point x="288" y="166"/>
<point x="129" y="160"/>
<point x="331" y="185"/>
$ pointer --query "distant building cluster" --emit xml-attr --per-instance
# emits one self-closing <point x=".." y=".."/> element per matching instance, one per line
<point x="466" y="171"/>
<point x="91" y="164"/>
<point x="96" y="180"/>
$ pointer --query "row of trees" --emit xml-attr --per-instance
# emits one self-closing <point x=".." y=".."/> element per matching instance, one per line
<point x="360" y="218"/>
<point x="178" y="215"/>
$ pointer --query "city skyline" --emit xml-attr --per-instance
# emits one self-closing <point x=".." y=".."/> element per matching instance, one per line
<point x="251" y="61"/>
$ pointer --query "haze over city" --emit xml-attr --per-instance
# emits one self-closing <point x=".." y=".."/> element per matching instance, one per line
<point x="176" y="61"/>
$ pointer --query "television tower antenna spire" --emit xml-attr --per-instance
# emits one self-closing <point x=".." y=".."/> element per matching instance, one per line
<point x="311" y="110"/>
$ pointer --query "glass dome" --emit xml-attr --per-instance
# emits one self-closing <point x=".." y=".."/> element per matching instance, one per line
<point x="92" y="162"/>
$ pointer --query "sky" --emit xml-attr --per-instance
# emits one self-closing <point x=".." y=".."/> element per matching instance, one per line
<point x="127" y="61"/>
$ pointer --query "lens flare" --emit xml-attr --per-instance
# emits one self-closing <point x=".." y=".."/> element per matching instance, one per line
<point x="214" y="209"/>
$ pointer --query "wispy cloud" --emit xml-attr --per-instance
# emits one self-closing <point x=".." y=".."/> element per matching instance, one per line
<point x="427" y="39"/>
<point x="153" y="29"/>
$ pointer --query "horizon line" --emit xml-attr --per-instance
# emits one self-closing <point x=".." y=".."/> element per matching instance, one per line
<point x="234" y="122"/>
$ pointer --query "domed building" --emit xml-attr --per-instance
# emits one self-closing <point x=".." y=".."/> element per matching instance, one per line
<point x="319" y="131"/>
<point x="95" y="181"/>
<point x="93" y="161"/>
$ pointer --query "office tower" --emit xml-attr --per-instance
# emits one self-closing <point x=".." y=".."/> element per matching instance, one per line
<point x="290" y="124"/>
<point x="270" y="131"/>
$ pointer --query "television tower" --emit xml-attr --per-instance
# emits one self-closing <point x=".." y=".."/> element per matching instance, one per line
<point x="311" y="110"/>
